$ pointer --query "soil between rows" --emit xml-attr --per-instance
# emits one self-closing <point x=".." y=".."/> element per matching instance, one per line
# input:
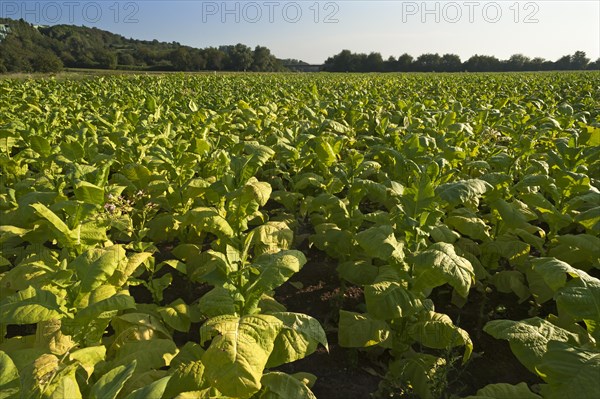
<point x="356" y="374"/>
<point x="352" y="374"/>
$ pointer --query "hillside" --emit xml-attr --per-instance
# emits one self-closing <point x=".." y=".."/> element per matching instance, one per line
<point x="25" y="48"/>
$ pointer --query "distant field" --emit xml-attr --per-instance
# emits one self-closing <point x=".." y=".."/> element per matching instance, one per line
<point x="299" y="235"/>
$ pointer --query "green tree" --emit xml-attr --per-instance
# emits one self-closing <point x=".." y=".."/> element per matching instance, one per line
<point x="450" y="63"/>
<point x="181" y="59"/>
<point x="579" y="60"/>
<point x="428" y="62"/>
<point x="124" y="58"/>
<point x="482" y="63"/>
<point x="563" y="63"/>
<point x="47" y="61"/>
<point x="263" y="60"/>
<point x="345" y="61"/>
<point x="517" y="62"/>
<point x="405" y="63"/>
<point x="105" y="59"/>
<point x="241" y="57"/>
<point x="215" y="59"/>
<point x="374" y="62"/>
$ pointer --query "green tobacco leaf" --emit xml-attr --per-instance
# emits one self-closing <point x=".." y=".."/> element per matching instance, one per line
<point x="279" y="385"/>
<point x="158" y="285"/>
<point x="142" y="380"/>
<point x="418" y="371"/>
<point x="335" y="242"/>
<point x="30" y="306"/>
<point x="190" y="352"/>
<point x="152" y="391"/>
<point x="511" y="281"/>
<point x="579" y="297"/>
<point x="272" y="237"/>
<point x="89" y="357"/>
<point x="387" y="300"/>
<point x="582" y="303"/>
<point x="359" y="331"/>
<point x="529" y="338"/>
<point x="149" y="354"/>
<point x="299" y="337"/>
<point x="137" y="326"/>
<point x="358" y="272"/>
<point x="176" y="315"/>
<point x="375" y="192"/>
<point x="472" y="227"/>
<point x="9" y="378"/>
<point x="36" y="373"/>
<point x="239" y="352"/>
<point x="553" y="271"/>
<point x="581" y="250"/>
<point x="89" y="193"/>
<point x="325" y="152"/>
<point x="505" y="246"/>
<point x="125" y="270"/>
<point x="327" y="208"/>
<point x="95" y="266"/>
<point x="419" y="197"/>
<point x="444" y="234"/>
<point x="259" y="155"/>
<point x="73" y="151"/>
<point x="436" y="330"/>
<point x="511" y="215"/>
<point x="505" y="391"/>
<point x="258" y="191"/>
<point x="186" y="377"/>
<point x="40" y="145"/>
<point x="570" y="372"/>
<point x="105" y="308"/>
<point x="217" y="302"/>
<point x="463" y="192"/>
<point x="275" y="269"/>
<point x="111" y="383"/>
<point x="439" y="264"/>
<point x="207" y="219"/>
<point x="590" y="219"/>
<point x="380" y="242"/>
<point x="34" y="273"/>
<point x="64" y="385"/>
<point x="63" y="234"/>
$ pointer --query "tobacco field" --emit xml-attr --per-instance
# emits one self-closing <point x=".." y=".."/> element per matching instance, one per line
<point x="300" y="235"/>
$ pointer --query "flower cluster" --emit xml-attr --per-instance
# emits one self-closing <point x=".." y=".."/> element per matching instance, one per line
<point x="121" y="204"/>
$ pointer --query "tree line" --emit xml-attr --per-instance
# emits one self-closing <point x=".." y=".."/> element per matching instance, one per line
<point x="26" y="48"/>
<point x="50" y="49"/>
<point x="347" y="61"/>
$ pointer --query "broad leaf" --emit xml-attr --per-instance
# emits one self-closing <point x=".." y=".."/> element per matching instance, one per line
<point x="279" y="385"/>
<point x="439" y="264"/>
<point x="111" y="383"/>
<point x="358" y="331"/>
<point x="299" y="337"/>
<point x="30" y="306"/>
<point x="505" y="391"/>
<point x="529" y="338"/>
<point x="436" y="330"/>
<point x="239" y="351"/>
<point x="387" y="300"/>
<point x="570" y="372"/>
<point x="9" y="377"/>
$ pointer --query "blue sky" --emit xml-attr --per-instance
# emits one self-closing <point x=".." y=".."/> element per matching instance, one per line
<point x="314" y="30"/>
